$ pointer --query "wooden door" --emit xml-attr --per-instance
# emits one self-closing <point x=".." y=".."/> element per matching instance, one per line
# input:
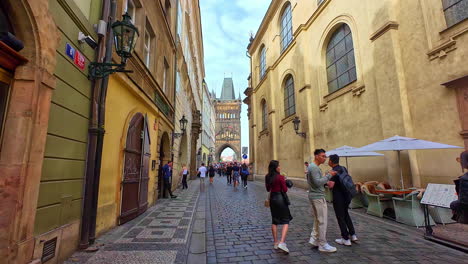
<point x="132" y="170"/>
<point x="145" y="160"/>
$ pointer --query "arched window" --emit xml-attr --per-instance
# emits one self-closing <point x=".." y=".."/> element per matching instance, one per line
<point x="262" y="62"/>
<point x="264" y="115"/>
<point x="286" y="27"/>
<point x="341" y="67"/>
<point x="289" y="100"/>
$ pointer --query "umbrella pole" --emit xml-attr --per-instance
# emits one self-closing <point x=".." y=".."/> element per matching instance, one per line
<point x="347" y="163"/>
<point x="401" y="170"/>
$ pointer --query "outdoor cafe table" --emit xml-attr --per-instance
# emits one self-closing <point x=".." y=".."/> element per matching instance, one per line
<point x="394" y="192"/>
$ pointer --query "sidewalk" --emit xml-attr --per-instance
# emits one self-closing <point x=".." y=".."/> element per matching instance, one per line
<point x="160" y="235"/>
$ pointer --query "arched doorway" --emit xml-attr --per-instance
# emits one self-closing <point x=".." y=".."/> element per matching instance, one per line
<point x="164" y="157"/>
<point x="227" y="152"/>
<point x="136" y="169"/>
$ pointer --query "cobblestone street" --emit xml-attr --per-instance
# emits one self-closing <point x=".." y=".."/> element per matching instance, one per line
<point x="237" y="228"/>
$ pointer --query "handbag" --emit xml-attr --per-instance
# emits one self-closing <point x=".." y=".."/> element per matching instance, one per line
<point x="267" y="200"/>
<point x="286" y="198"/>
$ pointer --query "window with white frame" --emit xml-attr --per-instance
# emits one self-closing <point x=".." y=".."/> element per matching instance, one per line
<point x="262" y="62"/>
<point x="147" y="48"/>
<point x="179" y="18"/>
<point x="286" y="27"/>
<point x="130" y="8"/>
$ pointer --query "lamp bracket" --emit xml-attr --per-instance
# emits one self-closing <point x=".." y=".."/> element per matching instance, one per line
<point x="177" y="135"/>
<point x="302" y="134"/>
<point x="98" y="70"/>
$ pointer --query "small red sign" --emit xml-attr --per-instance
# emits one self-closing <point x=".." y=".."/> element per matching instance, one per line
<point x="79" y="60"/>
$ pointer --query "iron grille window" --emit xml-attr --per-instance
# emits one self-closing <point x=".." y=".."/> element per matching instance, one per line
<point x="286" y="28"/>
<point x="455" y="11"/>
<point x="264" y="115"/>
<point x="289" y="100"/>
<point x="262" y="62"/>
<point x="341" y="67"/>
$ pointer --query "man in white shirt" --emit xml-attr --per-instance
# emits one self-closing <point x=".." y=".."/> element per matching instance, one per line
<point x="202" y="171"/>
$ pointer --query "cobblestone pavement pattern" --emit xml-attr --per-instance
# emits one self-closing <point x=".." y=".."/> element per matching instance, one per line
<point x="160" y="235"/>
<point x="240" y="233"/>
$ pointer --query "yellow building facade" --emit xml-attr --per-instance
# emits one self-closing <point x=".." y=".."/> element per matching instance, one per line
<point x="355" y="72"/>
<point x="139" y="118"/>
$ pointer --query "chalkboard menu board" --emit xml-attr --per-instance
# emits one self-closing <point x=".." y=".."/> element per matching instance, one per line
<point x="440" y="195"/>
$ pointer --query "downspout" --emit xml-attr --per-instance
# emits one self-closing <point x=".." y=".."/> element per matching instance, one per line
<point x="101" y="121"/>
<point x="175" y="86"/>
<point x="92" y="141"/>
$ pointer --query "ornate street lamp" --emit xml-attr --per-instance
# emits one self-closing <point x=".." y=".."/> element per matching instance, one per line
<point x="296" y="123"/>
<point x="183" y="126"/>
<point x="125" y="38"/>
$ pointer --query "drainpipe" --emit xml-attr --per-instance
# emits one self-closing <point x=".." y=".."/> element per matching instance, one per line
<point x="95" y="132"/>
<point x="175" y="87"/>
<point x="101" y="121"/>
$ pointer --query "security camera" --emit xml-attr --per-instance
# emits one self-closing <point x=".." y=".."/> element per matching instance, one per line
<point x="88" y="39"/>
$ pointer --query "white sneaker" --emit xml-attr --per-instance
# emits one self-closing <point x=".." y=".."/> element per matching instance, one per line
<point x="283" y="247"/>
<point x="354" y="238"/>
<point x="341" y="241"/>
<point x="327" y="248"/>
<point x="275" y="246"/>
<point x="313" y="242"/>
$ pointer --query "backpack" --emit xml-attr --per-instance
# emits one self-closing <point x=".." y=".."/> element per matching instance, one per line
<point x="347" y="183"/>
<point x="463" y="189"/>
<point x="245" y="172"/>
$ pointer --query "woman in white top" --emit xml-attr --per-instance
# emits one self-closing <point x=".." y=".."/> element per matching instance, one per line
<point x="184" y="172"/>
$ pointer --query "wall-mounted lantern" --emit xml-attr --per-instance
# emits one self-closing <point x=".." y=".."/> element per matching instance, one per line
<point x="125" y="38"/>
<point x="296" y="123"/>
<point x="183" y="126"/>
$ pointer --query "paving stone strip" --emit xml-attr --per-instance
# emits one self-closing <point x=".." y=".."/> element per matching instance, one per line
<point x="160" y="235"/>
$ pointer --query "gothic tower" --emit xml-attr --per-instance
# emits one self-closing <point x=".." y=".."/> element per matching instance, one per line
<point x="228" y="127"/>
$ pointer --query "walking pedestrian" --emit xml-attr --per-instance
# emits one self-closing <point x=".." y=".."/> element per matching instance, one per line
<point x="316" y="182"/>
<point x="235" y="174"/>
<point x="275" y="184"/>
<point x="167" y="173"/>
<point x="184" y="172"/>
<point x="245" y="174"/>
<point x="229" y="173"/>
<point x="341" y="200"/>
<point x="211" y="173"/>
<point x="202" y="171"/>
<point x="306" y="165"/>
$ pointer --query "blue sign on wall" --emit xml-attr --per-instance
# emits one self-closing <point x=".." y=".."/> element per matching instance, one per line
<point x="70" y="51"/>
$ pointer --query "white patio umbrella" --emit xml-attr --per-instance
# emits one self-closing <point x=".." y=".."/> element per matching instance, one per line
<point x="347" y="151"/>
<point x="398" y="144"/>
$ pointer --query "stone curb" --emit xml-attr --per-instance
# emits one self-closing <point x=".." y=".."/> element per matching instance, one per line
<point x="197" y="246"/>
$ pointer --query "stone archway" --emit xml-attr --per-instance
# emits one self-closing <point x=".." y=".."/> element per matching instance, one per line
<point x="164" y="158"/>
<point x="221" y="148"/>
<point x="28" y="112"/>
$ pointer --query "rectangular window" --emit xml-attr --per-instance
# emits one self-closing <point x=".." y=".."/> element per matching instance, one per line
<point x="179" y="18"/>
<point x="165" y="74"/>
<point x="178" y="81"/>
<point x="147" y="49"/>
<point x="455" y="11"/>
<point x="130" y="8"/>
<point x="4" y="93"/>
<point x="167" y="10"/>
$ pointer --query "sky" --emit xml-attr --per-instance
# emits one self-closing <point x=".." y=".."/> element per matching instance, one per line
<point x="226" y="26"/>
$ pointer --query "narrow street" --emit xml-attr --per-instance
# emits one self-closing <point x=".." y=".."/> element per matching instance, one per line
<point x="237" y="228"/>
